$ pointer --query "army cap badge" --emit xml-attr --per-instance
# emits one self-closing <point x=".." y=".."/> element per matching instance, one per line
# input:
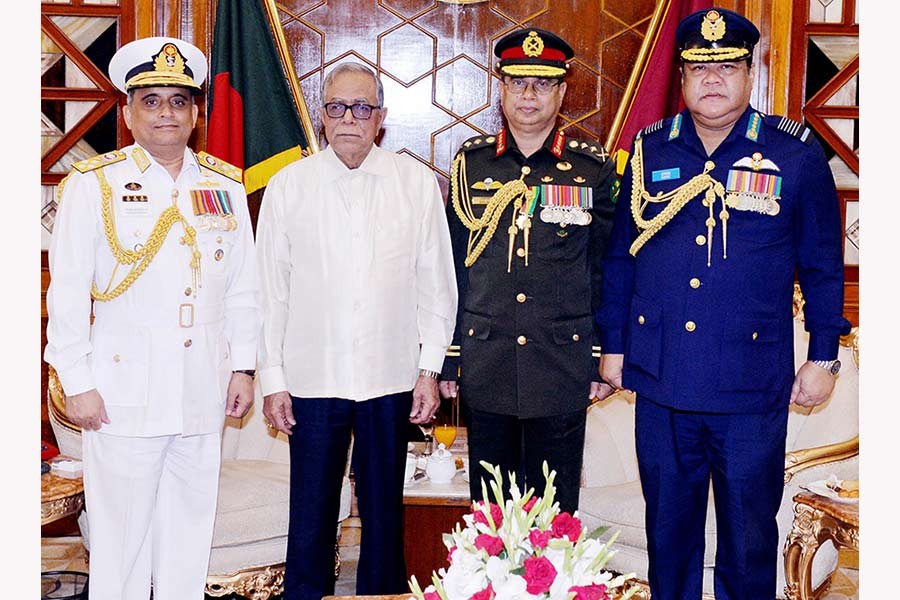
<point x="158" y="61"/>
<point x="717" y="35"/>
<point x="533" y="53"/>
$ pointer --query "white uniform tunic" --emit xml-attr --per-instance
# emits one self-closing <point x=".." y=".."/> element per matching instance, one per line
<point x="161" y="354"/>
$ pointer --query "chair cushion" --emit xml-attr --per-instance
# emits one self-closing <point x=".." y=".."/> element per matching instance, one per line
<point x="253" y="502"/>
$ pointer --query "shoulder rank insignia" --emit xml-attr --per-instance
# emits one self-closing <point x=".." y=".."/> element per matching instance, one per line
<point x="791" y="127"/>
<point x="587" y="148"/>
<point x="220" y="166"/>
<point x="650" y="128"/>
<point x="101" y="160"/>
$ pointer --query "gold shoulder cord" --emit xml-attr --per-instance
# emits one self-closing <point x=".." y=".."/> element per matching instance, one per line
<point x="490" y="218"/>
<point x="142" y="258"/>
<point x="677" y="199"/>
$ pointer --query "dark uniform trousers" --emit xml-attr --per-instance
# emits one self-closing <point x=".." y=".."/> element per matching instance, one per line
<point x="318" y="450"/>
<point x="525" y="322"/>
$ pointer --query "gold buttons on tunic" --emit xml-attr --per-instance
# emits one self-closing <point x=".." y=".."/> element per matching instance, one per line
<point x="522" y="340"/>
<point x="219" y="239"/>
<point x="116" y="358"/>
<point x="188" y="342"/>
<point x="755" y="335"/>
<point x="520" y="297"/>
<point x="471" y="332"/>
<point x="641" y="319"/>
<point x="188" y="291"/>
<point x="700" y="239"/>
<point x="690" y="326"/>
<point x="174" y="194"/>
<point x="575" y="337"/>
<point x="219" y="254"/>
<point x="695" y="283"/>
<point x="526" y="170"/>
<point x="520" y="252"/>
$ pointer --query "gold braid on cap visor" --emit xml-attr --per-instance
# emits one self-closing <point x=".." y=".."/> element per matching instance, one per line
<point x="532" y="71"/>
<point x="153" y="78"/>
<point x="714" y="54"/>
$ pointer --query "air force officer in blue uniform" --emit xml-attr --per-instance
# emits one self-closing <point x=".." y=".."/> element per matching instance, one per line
<point x="720" y="207"/>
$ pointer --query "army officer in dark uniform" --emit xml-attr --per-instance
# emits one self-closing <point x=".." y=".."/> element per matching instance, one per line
<point x="529" y="214"/>
<point x="720" y="206"/>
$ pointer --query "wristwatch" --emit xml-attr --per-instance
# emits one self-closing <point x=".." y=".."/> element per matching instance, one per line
<point x="250" y="372"/>
<point x="427" y="373"/>
<point x="832" y="366"/>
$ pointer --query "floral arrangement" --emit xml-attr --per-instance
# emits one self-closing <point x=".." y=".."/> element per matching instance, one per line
<point x="523" y="548"/>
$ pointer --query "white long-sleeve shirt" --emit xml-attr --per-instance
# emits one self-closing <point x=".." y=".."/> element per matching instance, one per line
<point x="357" y="278"/>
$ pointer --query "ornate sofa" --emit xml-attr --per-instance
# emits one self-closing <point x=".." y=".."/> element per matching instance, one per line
<point x="820" y="442"/>
<point x="250" y="535"/>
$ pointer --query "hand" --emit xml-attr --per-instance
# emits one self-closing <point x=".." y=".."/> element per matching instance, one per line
<point x="240" y="395"/>
<point x="812" y="385"/>
<point x="600" y="391"/>
<point x="425" y="400"/>
<point x="87" y="410"/>
<point x="278" y="412"/>
<point x="611" y="369"/>
<point x="448" y="389"/>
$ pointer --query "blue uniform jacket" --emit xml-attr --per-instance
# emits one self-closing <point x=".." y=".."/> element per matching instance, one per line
<point x="708" y="326"/>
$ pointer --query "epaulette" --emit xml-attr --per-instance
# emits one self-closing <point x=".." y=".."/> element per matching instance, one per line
<point x="478" y="141"/>
<point x="791" y="127"/>
<point x="650" y="129"/>
<point x="101" y="160"/>
<point x="594" y="150"/>
<point x="220" y="166"/>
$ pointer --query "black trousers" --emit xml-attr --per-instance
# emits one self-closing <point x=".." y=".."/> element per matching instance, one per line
<point x="521" y="446"/>
<point x="318" y="448"/>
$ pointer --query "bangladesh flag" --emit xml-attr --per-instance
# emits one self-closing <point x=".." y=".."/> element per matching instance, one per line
<point x="253" y="119"/>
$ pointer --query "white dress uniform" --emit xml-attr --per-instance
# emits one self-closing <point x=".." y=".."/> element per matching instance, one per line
<point x="160" y="351"/>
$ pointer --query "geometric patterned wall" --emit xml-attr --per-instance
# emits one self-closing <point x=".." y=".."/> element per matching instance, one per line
<point x="436" y="61"/>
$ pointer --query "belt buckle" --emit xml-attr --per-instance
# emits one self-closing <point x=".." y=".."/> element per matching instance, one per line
<point x="186" y="315"/>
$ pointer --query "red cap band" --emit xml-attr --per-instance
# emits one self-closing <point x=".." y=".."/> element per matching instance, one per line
<point x="547" y="54"/>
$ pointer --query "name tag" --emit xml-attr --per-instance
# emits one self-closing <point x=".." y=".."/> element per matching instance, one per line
<point x="666" y="174"/>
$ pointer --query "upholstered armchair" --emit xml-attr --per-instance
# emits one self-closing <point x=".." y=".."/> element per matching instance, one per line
<point x="250" y="536"/>
<point x="820" y="442"/>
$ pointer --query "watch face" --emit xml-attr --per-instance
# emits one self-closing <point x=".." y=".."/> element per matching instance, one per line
<point x="835" y="367"/>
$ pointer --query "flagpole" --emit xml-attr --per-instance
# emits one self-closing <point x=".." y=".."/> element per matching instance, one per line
<point x="640" y="66"/>
<point x="293" y="82"/>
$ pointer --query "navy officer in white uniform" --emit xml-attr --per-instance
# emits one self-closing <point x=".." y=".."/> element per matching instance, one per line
<point x="154" y="240"/>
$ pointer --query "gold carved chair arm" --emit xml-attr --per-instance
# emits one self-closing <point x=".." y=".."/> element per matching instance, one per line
<point x="798" y="460"/>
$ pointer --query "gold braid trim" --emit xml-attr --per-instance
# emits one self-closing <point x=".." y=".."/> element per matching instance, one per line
<point x="676" y="198"/>
<point x="140" y="259"/>
<point x="490" y="218"/>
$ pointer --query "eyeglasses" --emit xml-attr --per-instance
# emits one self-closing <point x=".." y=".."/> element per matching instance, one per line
<point x="541" y="86"/>
<point x="359" y="110"/>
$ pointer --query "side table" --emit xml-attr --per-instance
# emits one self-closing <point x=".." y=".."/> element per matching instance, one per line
<point x="62" y="494"/>
<point x="816" y="519"/>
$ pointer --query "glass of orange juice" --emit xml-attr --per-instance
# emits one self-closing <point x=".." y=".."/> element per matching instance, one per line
<point x="445" y="428"/>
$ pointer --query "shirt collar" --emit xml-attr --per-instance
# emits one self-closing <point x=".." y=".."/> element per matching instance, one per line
<point x="553" y="144"/>
<point x="376" y="163"/>
<point x="748" y="126"/>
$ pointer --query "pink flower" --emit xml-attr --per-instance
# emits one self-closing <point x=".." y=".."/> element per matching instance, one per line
<point x="530" y="504"/>
<point x="539" y="574"/>
<point x="491" y="544"/>
<point x="450" y="554"/>
<point x="432" y="596"/>
<point x="589" y="592"/>
<point x="566" y="525"/>
<point x="485" y="594"/>
<point x="496" y="514"/>
<point x="538" y="538"/>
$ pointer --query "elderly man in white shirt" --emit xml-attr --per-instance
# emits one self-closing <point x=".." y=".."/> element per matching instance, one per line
<point x="359" y="301"/>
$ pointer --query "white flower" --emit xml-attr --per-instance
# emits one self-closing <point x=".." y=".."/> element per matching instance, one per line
<point x="577" y="562"/>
